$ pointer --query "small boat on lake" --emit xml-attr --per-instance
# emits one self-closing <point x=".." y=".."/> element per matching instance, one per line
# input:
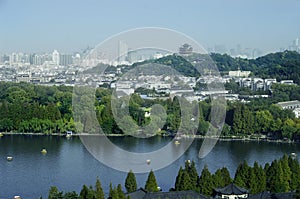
<point x="176" y="142"/>
<point x="69" y="134"/>
<point x="148" y="161"/>
<point x="9" y="158"/>
<point x="293" y="155"/>
<point x="1" y="134"/>
<point x="43" y="151"/>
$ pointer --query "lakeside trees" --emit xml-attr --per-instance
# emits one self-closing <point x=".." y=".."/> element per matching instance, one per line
<point x="38" y="109"/>
<point x="280" y="176"/>
<point x="35" y="109"/>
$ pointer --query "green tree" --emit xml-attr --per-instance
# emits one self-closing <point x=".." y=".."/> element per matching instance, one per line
<point x="263" y="120"/>
<point x="178" y="185"/>
<point x="151" y="184"/>
<point x="113" y="192"/>
<point x="99" y="194"/>
<point x="288" y="128"/>
<point x="84" y="193"/>
<point x="241" y="176"/>
<point x="186" y="182"/>
<point x="130" y="182"/>
<point x="110" y="190"/>
<point x="284" y="162"/>
<point x="237" y="120"/>
<point x="295" y="173"/>
<point x="221" y="178"/>
<point x="205" y="182"/>
<point x="252" y="183"/>
<point x="53" y="193"/>
<point x="121" y="194"/>
<point x="275" y="182"/>
<point x="260" y="178"/>
<point x="70" y="195"/>
<point x="193" y="174"/>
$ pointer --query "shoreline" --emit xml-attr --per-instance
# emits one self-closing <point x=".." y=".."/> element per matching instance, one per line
<point x="220" y="138"/>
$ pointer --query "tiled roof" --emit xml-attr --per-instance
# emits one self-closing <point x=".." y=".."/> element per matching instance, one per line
<point x="262" y="195"/>
<point x="138" y="194"/>
<point x="142" y="194"/>
<point x="175" y="195"/>
<point x="231" y="189"/>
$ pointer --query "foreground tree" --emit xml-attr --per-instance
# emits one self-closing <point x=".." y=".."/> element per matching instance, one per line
<point x="120" y="192"/>
<point x="275" y="178"/>
<point x="260" y="179"/>
<point x="151" y="184"/>
<point x="130" y="182"/>
<point x="178" y="182"/>
<point x="99" y="194"/>
<point x="221" y="178"/>
<point x="206" y="182"/>
<point x="53" y="193"/>
<point x="295" y="173"/>
<point x="241" y="177"/>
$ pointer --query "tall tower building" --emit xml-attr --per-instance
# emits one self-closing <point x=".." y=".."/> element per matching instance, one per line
<point x="65" y="60"/>
<point x="296" y="42"/>
<point x="55" y="57"/>
<point x="123" y="51"/>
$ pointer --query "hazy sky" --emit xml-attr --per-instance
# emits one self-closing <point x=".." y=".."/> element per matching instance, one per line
<point x="71" y="25"/>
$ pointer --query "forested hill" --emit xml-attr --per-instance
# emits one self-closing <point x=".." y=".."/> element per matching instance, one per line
<point x="280" y="65"/>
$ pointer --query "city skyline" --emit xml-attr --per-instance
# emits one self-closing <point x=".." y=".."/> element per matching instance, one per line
<point x="69" y="26"/>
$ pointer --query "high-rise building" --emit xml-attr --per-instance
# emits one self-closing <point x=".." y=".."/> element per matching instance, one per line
<point x="123" y="51"/>
<point x="76" y="59"/>
<point x="65" y="60"/>
<point x="220" y="48"/>
<point x="4" y="59"/>
<point x="296" y="42"/>
<point x="295" y="45"/>
<point x="13" y="58"/>
<point x="55" y="57"/>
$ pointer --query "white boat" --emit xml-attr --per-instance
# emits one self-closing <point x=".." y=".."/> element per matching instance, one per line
<point x="9" y="158"/>
<point x="293" y="155"/>
<point x="44" y="151"/>
<point x="148" y="161"/>
<point x="176" y="142"/>
<point x="69" y="134"/>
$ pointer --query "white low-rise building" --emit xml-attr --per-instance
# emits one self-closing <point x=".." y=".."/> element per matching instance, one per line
<point x="289" y="104"/>
<point x="296" y="111"/>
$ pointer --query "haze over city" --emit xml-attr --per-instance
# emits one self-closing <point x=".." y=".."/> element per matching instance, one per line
<point x="68" y="26"/>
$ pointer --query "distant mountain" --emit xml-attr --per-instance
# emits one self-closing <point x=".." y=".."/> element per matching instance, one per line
<point x="280" y="65"/>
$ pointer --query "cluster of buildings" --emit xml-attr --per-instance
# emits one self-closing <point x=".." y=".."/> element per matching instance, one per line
<point x="55" y="58"/>
<point x="55" y="68"/>
<point x="237" y="51"/>
<point x="295" y="46"/>
<point x="66" y="69"/>
<point x="249" y="53"/>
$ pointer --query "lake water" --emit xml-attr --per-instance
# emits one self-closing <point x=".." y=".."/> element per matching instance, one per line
<point x="68" y="164"/>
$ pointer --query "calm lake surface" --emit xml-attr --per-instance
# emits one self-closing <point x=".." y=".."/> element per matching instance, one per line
<point x="68" y="165"/>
